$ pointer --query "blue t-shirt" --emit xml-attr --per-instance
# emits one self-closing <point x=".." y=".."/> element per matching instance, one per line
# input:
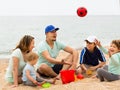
<point x="91" y="58"/>
<point x="32" y="72"/>
<point x="43" y="46"/>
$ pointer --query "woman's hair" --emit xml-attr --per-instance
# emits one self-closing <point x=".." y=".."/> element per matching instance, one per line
<point x="24" y="43"/>
<point x="117" y="43"/>
<point x="31" y="56"/>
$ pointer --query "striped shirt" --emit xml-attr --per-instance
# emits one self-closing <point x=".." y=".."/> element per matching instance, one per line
<point x="91" y="58"/>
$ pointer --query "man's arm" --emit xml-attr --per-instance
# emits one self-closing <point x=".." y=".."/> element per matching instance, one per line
<point x="47" y="56"/>
<point x="74" y="53"/>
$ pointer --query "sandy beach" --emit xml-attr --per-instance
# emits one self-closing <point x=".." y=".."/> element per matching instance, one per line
<point x="84" y="84"/>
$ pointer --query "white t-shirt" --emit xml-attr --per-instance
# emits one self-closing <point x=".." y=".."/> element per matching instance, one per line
<point x="16" y="53"/>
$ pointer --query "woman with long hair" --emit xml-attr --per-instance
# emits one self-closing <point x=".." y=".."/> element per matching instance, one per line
<point x="17" y="60"/>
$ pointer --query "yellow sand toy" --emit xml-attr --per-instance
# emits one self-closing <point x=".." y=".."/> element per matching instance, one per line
<point x="89" y="72"/>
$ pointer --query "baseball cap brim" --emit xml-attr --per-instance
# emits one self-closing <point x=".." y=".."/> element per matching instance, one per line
<point x="56" y="29"/>
<point x="91" y="39"/>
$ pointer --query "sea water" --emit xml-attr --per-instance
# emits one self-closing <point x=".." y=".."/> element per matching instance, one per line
<point x="73" y="29"/>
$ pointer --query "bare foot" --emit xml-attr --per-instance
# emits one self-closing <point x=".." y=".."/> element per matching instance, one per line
<point x="40" y="83"/>
<point x="43" y="82"/>
<point x="95" y="76"/>
<point x="52" y="81"/>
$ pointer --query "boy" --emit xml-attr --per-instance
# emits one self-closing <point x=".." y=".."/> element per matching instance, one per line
<point x="90" y="56"/>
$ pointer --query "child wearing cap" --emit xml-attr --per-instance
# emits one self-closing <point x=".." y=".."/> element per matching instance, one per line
<point x="91" y="58"/>
<point x="30" y="77"/>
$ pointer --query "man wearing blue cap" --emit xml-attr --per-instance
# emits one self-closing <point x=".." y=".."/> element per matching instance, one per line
<point x="48" y="50"/>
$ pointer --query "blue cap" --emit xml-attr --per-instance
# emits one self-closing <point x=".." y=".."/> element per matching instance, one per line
<point x="50" y="28"/>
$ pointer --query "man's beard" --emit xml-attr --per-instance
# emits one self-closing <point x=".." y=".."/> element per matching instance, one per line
<point x="53" y="39"/>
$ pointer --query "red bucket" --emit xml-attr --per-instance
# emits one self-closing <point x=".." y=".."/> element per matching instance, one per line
<point x="67" y="76"/>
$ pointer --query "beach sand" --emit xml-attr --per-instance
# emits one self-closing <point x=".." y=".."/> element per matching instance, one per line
<point x="83" y="84"/>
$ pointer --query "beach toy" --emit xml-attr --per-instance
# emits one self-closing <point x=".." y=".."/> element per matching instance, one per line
<point x="80" y="76"/>
<point x="81" y="11"/>
<point x="67" y="76"/>
<point x="89" y="72"/>
<point x="75" y="78"/>
<point x="46" y="85"/>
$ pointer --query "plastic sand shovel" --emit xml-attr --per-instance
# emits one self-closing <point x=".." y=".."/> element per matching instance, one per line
<point x="46" y="85"/>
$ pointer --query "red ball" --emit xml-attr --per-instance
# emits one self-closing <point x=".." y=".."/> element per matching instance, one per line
<point x="81" y="11"/>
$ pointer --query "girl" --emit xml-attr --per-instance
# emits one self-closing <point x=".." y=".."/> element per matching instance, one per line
<point x="111" y="71"/>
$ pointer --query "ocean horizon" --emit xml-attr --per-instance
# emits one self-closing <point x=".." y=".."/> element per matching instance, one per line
<point x="73" y="29"/>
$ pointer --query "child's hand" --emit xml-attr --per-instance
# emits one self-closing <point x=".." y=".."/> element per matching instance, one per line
<point x="93" y="68"/>
<point x="109" y="52"/>
<point x="97" y="43"/>
<point x="40" y="83"/>
<point x="13" y="86"/>
<point x="36" y="83"/>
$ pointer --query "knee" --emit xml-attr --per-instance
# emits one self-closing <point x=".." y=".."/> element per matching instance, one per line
<point x="43" y="66"/>
<point x="99" y="70"/>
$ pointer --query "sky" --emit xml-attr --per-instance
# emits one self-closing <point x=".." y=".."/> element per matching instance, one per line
<point x="57" y="7"/>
